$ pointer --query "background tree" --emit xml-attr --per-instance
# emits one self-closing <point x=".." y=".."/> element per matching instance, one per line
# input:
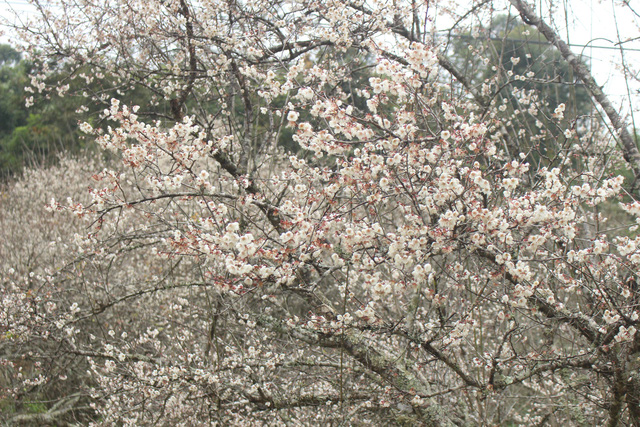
<point x="30" y="136"/>
<point x="523" y="59"/>
<point x="409" y="264"/>
<point x="527" y="76"/>
<point x="34" y="130"/>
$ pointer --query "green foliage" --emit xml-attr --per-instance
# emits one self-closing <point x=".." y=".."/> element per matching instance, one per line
<point x="12" y="81"/>
<point x="37" y="140"/>
<point x="8" y="55"/>
<point x="30" y="136"/>
<point x="35" y="407"/>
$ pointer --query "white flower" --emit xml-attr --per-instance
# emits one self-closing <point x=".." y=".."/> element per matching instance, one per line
<point x="625" y="334"/>
<point x="293" y="116"/>
<point x="610" y="317"/>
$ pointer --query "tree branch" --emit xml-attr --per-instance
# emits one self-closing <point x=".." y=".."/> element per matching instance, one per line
<point x="357" y="347"/>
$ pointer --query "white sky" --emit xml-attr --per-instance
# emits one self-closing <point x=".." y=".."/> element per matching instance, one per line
<point x="591" y="23"/>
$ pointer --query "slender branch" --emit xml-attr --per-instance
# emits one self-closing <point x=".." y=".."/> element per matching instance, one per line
<point x="264" y="402"/>
<point x="577" y="320"/>
<point x="358" y="347"/>
<point x="270" y="212"/>
<point x="53" y="415"/>
<point x="265" y="207"/>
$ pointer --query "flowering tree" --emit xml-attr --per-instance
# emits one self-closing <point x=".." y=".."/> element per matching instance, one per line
<point x="412" y="257"/>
